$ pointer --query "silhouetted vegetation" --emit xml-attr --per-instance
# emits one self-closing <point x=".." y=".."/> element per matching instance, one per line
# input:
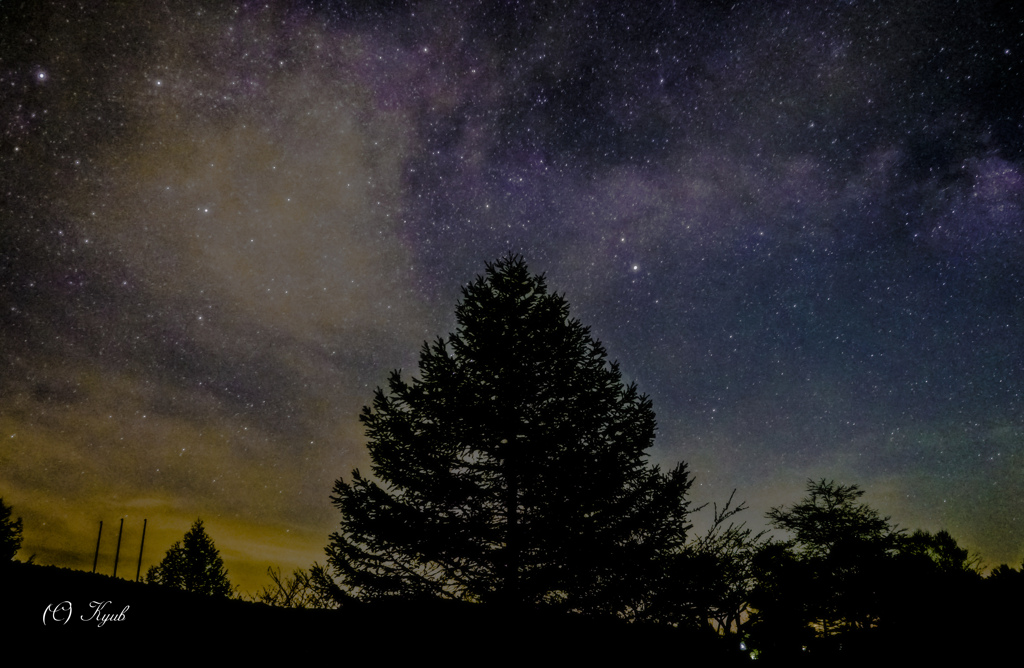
<point x="841" y="546"/>
<point x="514" y="469"/>
<point x="849" y="583"/>
<point x="10" y="533"/>
<point x="193" y="565"/>
<point x="512" y="474"/>
<point x="706" y="585"/>
<point x="512" y="487"/>
<point x="312" y="589"/>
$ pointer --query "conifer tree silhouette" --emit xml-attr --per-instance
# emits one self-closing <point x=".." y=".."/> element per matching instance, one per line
<point x="513" y="470"/>
<point x="193" y="565"/>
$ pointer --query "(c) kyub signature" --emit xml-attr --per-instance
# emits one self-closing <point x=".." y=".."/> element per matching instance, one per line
<point x="61" y="613"/>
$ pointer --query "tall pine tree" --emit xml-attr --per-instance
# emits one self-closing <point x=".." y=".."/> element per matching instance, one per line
<point x="513" y="470"/>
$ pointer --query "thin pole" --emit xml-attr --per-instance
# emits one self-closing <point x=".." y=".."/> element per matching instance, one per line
<point x="97" y="557"/>
<point x="139" y="569"/>
<point x="118" y="552"/>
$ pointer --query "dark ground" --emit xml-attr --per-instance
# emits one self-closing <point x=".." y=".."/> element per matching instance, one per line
<point x="158" y="623"/>
<point x="159" y="620"/>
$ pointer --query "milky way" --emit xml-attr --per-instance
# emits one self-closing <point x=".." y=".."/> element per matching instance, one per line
<point x="800" y="230"/>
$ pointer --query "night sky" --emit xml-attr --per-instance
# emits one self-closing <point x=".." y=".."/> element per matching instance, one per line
<point x="800" y="230"/>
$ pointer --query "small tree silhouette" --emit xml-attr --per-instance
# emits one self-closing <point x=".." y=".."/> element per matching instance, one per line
<point x="194" y="565"/>
<point x="10" y="533"/>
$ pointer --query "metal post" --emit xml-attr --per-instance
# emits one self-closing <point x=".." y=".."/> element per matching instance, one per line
<point x="141" y="545"/>
<point x="118" y="552"/>
<point x="97" y="557"/>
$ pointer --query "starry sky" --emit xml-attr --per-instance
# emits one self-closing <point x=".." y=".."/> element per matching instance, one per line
<point x="799" y="227"/>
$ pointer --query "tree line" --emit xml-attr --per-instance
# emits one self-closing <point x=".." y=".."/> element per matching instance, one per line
<point x="513" y="472"/>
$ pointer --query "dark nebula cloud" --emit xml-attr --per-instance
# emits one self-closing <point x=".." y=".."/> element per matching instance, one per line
<point x="799" y="228"/>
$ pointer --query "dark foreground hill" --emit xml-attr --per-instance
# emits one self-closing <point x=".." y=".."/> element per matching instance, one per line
<point x="56" y="609"/>
<point x="60" y="613"/>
